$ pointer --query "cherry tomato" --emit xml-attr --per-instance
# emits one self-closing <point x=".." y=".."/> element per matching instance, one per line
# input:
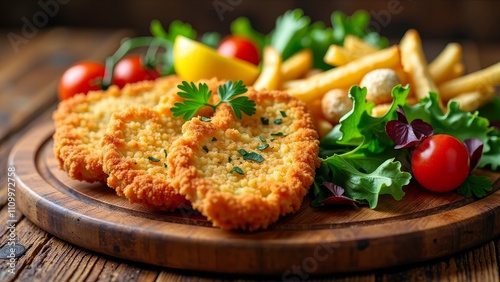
<point x="131" y="69"/>
<point x="239" y="47"/>
<point x="81" y="78"/>
<point x="440" y="163"/>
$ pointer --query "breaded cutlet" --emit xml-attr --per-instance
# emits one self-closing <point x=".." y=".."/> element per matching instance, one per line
<point x="134" y="151"/>
<point x="80" y="122"/>
<point x="243" y="174"/>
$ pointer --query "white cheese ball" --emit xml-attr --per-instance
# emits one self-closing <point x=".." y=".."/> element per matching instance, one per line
<point x="379" y="84"/>
<point x="335" y="104"/>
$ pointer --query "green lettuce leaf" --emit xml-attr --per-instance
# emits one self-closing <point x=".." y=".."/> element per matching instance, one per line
<point x="366" y="187"/>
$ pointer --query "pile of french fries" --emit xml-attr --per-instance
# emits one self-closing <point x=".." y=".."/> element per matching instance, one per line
<point x="444" y="75"/>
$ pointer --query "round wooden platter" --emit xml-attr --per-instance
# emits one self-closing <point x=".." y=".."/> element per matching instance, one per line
<point x="420" y="227"/>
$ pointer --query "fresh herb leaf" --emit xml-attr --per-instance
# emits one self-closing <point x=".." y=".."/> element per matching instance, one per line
<point x="253" y="157"/>
<point x="475" y="185"/>
<point x="164" y="165"/>
<point x="337" y="197"/>
<point x="214" y="139"/>
<point x="277" y="134"/>
<point x="475" y="148"/>
<point x="242" y="152"/>
<point x="229" y="159"/>
<point x="366" y="187"/>
<point x="277" y="121"/>
<point x="153" y="159"/>
<point x="228" y="93"/>
<point x="262" y="139"/>
<point x="263" y="147"/>
<point x="165" y="153"/>
<point x="205" y="148"/>
<point x="205" y="119"/>
<point x="283" y="113"/>
<point x="237" y="170"/>
<point x="406" y="134"/>
<point x="197" y="97"/>
<point x="264" y="121"/>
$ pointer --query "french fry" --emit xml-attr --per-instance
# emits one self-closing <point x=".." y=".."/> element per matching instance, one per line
<point x="472" y="101"/>
<point x="337" y="56"/>
<point x="470" y="82"/>
<point x="344" y="76"/>
<point x="357" y="45"/>
<point x="444" y="63"/>
<point x="456" y="71"/>
<point x="323" y="127"/>
<point x="297" y="65"/>
<point x="380" y="109"/>
<point x="270" y="76"/>
<point x="415" y="64"/>
<point x="354" y="48"/>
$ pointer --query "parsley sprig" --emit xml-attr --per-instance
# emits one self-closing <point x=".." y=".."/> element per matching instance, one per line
<point x="196" y="97"/>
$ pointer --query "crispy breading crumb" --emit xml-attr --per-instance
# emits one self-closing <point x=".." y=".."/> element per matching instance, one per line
<point x="135" y="148"/>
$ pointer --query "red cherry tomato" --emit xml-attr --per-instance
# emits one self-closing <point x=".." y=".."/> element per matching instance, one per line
<point x="239" y="47"/>
<point x="440" y="163"/>
<point x="81" y="78"/>
<point x="131" y="69"/>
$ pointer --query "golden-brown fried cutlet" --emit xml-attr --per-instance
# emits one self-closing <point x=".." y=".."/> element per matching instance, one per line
<point x="244" y="174"/>
<point x="134" y="150"/>
<point x="80" y="122"/>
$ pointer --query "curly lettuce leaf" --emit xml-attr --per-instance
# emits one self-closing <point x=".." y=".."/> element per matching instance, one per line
<point x="366" y="187"/>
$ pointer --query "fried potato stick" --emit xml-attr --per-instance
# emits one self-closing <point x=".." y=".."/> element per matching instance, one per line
<point x="444" y="63"/>
<point x="472" y="101"/>
<point x="344" y="76"/>
<point x="297" y="65"/>
<point x="415" y="64"/>
<point x="270" y="76"/>
<point x="470" y="82"/>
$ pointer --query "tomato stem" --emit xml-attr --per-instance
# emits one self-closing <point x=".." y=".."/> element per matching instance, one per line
<point x="125" y="47"/>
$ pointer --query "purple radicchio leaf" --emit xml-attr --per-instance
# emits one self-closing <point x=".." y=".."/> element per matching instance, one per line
<point x="407" y="135"/>
<point x="475" y="148"/>
<point x="337" y="198"/>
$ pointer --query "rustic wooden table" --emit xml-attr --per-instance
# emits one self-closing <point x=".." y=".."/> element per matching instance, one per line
<point x="28" y="86"/>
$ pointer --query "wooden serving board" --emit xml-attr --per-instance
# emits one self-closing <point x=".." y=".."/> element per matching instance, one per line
<point x="421" y="226"/>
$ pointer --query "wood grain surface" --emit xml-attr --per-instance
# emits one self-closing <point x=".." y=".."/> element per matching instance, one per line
<point x="420" y="227"/>
<point x="48" y="258"/>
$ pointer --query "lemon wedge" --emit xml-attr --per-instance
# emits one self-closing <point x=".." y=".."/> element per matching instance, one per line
<point x="194" y="61"/>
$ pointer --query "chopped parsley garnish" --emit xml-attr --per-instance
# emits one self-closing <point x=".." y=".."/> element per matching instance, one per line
<point x="196" y="97"/>
<point x="237" y="170"/>
<point x="205" y="148"/>
<point x="214" y="139"/>
<point x="277" y="134"/>
<point x="165" y="152"/>
<point x="164" y="165"/>
<point x="277" y="121"/>
<point x="265" y="121"/>
<point x="153" y="159"/>
<point x="263" y="147"/>
<point x="283" y="114"/>
<point x="262" y="139"/>
<point x="242" y="152"/>
<point x="251" y="156"/>
<point x="206" y="119"/>
<point x="229" y="159"/>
